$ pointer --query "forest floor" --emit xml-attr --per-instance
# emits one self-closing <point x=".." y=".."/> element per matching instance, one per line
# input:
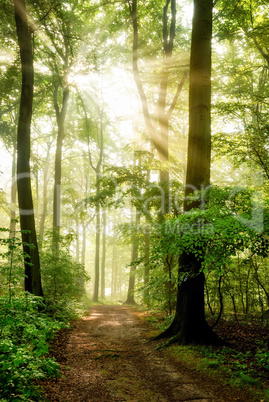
<point x="106" y="356"/>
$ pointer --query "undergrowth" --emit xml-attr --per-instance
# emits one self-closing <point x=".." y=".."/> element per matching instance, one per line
<point x="243" y="365"/>
<point x="27" y="325"/>
<point x="228" y="367"/>
<point x="25" y="330"/>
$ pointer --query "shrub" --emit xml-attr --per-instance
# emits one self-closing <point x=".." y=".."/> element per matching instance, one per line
<point x="25" y="330"/>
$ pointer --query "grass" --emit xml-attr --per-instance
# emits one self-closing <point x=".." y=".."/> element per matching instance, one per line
<point x="218" y="367"/>
<point x="246" y="371"/>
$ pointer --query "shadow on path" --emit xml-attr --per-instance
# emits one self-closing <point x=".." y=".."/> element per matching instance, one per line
<point x="108" y="358"/>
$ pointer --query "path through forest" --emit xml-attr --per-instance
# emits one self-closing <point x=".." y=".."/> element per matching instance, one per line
<point x="107" y="357"/>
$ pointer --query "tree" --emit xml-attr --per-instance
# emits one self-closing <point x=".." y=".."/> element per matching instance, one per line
<point x="103" y="262"/>
<point x="58" y="31"/>
<point x="96" y="128"/>
<point x="243" y="98"/>
<point x="159" y="136"/>
<point x="27" y="220"/>
<point x="135" y="243"/>
<point x="189" y="324"/>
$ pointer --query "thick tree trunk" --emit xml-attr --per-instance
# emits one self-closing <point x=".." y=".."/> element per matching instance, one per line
<point x="189" y="325"/>
<point x="27" y="221"/>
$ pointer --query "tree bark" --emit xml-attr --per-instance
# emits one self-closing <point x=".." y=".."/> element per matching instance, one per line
<point x="84" y="241"/>
<point x="45" y="201"/>
<point x="27" y="220"/>
<point x="103" y="262"/>
<point x="97" y="169"/>
<point x="146" y="264"/>
<point x="189" y="324"/>
<point x="135" y="245"/>
<point x="114" y="271"/>
<point x="60" y="117"/>
<point x="131" y="286"/>
<point x="97" y="244"/>
<point x="12" y="226"/>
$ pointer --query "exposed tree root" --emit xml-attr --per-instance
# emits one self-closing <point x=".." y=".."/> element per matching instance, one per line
<point x="169" y="332"/>
<point x="204" y="335"/>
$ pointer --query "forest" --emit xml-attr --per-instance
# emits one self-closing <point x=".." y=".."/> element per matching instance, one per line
<point x="134" y="169"/>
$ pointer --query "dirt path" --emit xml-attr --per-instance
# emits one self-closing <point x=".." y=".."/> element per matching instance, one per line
<point x="108" y="358"/>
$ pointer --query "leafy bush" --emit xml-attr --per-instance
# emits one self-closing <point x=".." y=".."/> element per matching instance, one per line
<point x="12" y="268"/>
<point x="63" y="279"/>
<point x="262" y="358"/>
<point x="25" y="329"/>
<point x="62" y="276"/>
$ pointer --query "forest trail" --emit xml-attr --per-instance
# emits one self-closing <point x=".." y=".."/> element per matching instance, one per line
<point x="107" y="357"/>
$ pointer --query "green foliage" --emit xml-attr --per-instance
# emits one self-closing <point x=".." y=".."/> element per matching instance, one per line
<point x="211" y="363"/>
<point x="25" y="329"/>
<point x="215" y="234"/>
<point x="234" y="363"/>
<point x="160" y="291"/>
<point x="11" y="268"/>
<point x="229" y="237"/>
<point x="26" y="323"/>
<point x="63" y="278"/>
<point x="262" y="357"/>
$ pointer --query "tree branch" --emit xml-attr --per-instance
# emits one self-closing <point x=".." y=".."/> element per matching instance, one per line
<point x="179" y="89"/>
<point x="144" y="102"/>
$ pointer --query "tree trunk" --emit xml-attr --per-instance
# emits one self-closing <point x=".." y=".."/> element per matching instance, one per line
<point x="147" y="250"/>
<point x="164" y="111"/>
<point x="77" y="239"/>
<point x="146" y="264"/>
<point x="44" y="202"/>
<point x="27" y="220"/>
<point x="84" y="241"/>
<point x="131" y="287"/>
<point x="12" y="226"/>
<point x="97" y="169"/>
<point x="113" y="272"/>
<point x="189" y="325"/>
<point x="60" y="117"/>
<point x="97" y="245"/>
<point x="103" y="263"/>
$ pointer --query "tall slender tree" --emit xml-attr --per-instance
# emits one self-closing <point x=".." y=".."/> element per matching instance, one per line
<point x="99" y="128"/>
<point x="159" y="133"/>
<point x="103" y="262"/>
<point x="27" y="220"/>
